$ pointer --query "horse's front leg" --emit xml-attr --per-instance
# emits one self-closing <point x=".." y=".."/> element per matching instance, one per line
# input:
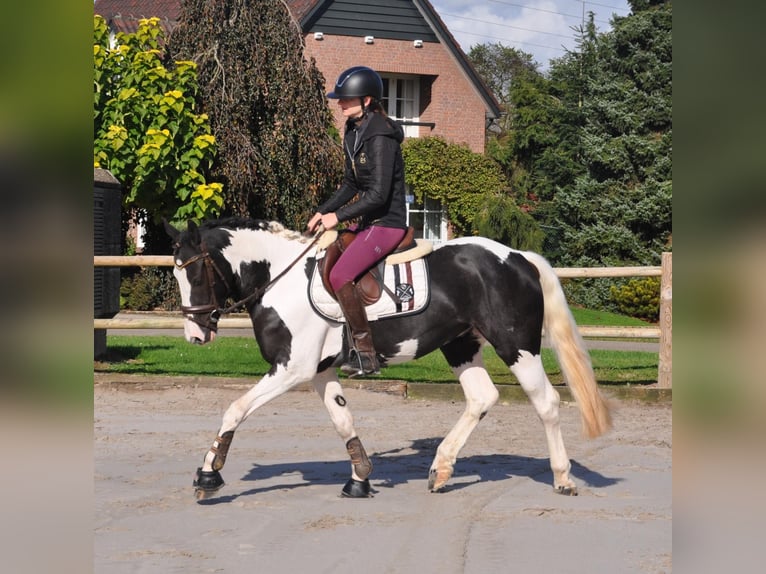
<point x="208" y="479"/>
<point x="331" y="393"/>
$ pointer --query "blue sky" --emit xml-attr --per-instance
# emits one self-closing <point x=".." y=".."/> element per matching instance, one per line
<point x="542" y="28"/>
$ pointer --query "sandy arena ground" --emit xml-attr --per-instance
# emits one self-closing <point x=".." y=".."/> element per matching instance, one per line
<point x="280" y="511"/>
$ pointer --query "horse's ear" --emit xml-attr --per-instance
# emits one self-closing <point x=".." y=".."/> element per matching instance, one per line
<point x="193" y="232"/>
<point x="170" y="230"/>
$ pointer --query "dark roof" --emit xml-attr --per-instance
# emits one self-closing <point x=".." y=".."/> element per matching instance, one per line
<point x="123" y="16"/>
<point x="390" y="19"/>
<point x="300" y="9"/>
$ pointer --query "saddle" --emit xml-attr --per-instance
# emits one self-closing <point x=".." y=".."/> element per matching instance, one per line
<point x="370" y="285"/>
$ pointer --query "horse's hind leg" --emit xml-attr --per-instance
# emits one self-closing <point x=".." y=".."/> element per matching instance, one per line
<point x="480" y="394"/>
<point x="529" y="370"/>
<point x="331" y="393"/>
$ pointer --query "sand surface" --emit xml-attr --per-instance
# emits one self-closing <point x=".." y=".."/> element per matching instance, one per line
<point x="280" y="511"/>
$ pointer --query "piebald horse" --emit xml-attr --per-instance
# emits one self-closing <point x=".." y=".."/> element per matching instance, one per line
<point x="480" y="292"/>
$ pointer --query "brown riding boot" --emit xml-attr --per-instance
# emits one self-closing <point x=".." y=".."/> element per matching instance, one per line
<point x="362" y="358"/>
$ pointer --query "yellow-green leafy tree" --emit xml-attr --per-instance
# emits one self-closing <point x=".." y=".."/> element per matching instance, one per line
<point x="146" y="129"/>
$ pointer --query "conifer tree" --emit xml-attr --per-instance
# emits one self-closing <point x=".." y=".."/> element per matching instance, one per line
<point x="618" y="210"/>
<point x="588" y="146"/>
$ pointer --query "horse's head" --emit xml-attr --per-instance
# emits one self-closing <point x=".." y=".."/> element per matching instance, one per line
<point x="202" y="283"/>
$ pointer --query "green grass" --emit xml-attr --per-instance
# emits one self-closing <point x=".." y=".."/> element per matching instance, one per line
<point x="171" y="355"/>
<point x="240" y="357"/>
<point x="605" y="319"/>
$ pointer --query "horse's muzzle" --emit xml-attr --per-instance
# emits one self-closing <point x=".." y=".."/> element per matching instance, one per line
<point x="197" y="334"/>
<point x="206" y="317"/>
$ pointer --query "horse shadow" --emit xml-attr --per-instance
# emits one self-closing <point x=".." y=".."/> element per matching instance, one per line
<point x="403" y="465"/>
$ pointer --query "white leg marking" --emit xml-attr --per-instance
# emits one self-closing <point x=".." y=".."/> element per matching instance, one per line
<point x="330" y="391"/>
<point x="532" y="378"/>
<point x="268" y="388"/>
<point x="481" y="395"/>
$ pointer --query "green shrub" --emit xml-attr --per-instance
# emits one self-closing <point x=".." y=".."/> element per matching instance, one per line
<point x="591" y="293"/>
<point x="148" y="289"/>
<point x="499" y="218"/>
<point x="639" y="298"/>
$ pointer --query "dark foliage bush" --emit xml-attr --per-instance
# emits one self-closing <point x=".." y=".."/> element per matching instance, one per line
<point x="149" y="289"/>
<point x="591" y="293"/>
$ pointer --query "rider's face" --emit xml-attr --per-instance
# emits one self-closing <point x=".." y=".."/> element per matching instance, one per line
<point x="352" y="107"/>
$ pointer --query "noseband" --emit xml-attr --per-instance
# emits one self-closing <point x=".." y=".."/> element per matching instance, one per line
<point x="205" y="315"/>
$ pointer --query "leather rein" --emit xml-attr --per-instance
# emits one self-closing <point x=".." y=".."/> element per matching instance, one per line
<point x="211" y="270"/>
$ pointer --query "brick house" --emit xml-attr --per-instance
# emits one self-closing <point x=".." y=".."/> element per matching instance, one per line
<point x="429" y="84"/>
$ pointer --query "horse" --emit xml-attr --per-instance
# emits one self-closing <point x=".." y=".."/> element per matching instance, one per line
<point x="480" y="292"/>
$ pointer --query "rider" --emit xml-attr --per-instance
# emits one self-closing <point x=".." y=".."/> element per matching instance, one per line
<point x="374" y="174"/>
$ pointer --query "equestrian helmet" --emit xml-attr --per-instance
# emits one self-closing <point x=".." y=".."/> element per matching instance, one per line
<point x="358" y="82"/>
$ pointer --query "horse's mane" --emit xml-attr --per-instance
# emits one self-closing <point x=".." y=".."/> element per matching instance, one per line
<point x="275" y="227"/>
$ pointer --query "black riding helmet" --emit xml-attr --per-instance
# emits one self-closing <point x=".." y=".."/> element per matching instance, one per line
<point x="358" y="82"/>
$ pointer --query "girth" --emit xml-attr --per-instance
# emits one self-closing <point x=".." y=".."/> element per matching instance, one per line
<point x="370" y="286"/>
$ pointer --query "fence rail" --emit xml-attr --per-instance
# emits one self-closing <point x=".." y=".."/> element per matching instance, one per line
<point x="562" y="272"/>
<point x="663" y="332"/>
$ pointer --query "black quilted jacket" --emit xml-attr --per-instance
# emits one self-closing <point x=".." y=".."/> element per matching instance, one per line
<point x="374" y="171"/>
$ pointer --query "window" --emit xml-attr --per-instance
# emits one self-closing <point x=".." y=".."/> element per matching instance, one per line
<point x="428" y="219"/>
<point x="402" y="102"/>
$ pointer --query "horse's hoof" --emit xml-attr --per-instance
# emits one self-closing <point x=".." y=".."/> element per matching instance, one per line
<point x="207" y="483"/>
<point x="356" y="489"/>
<point x="437" y="479"/>
<point x="200" y="494"/>
<point x="567" y="490"/>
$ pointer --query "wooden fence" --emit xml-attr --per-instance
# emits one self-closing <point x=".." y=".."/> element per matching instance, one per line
<point x="664" y="332"/>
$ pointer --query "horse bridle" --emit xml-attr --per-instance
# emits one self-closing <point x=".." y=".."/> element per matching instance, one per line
<point x="213" y="311"/>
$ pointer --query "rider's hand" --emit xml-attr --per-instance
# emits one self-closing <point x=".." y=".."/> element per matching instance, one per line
<point x="329" y="220"/>
<point x="313" y="222"/>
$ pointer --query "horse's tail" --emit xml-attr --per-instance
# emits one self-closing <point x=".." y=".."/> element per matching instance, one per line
<point x="563" y="335"/>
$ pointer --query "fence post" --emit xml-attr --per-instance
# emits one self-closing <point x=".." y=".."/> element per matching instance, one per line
<point x="665" y="371"/>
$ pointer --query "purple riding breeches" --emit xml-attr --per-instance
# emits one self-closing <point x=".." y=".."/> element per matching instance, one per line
<point x="370" y="246"/>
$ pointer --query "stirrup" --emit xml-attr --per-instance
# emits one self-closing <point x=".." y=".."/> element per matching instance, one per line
<point x="360" y="364"/>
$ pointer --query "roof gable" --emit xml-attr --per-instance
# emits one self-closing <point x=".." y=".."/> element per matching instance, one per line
<point x="392" y="19"/>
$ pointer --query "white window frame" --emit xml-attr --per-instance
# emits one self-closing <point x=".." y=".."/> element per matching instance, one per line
<point x="405" y="104"/>
<point x="433" y="217"/>
<point x="404" y="107"/>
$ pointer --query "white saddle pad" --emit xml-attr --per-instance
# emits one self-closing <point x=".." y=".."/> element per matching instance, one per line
<point x="408" y="280"/>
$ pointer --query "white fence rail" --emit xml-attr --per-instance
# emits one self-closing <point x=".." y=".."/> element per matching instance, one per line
<point x="663" y="332"/>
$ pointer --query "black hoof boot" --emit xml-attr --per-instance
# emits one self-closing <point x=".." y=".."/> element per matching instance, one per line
<point x="357" y="489"/>
<point x="207" y="483"/>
